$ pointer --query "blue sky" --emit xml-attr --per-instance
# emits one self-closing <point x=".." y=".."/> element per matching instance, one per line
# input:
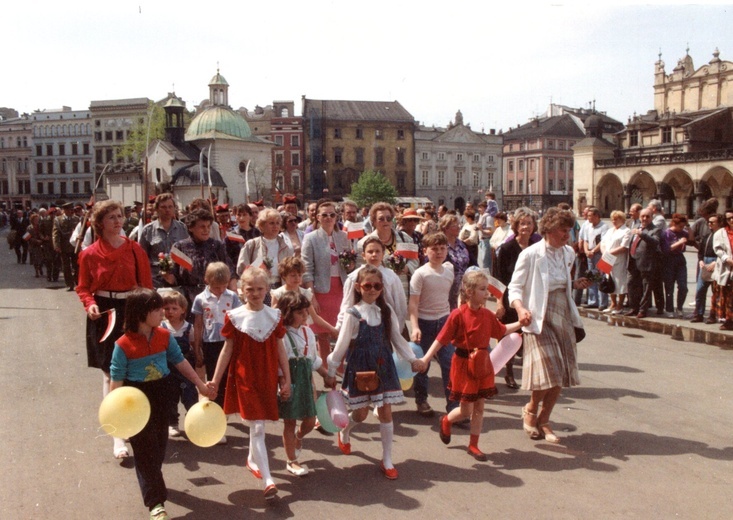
<point x="500" y="65"/>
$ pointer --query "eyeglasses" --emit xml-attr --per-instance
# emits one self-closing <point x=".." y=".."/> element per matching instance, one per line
<point x="384" y="219"/>
<point x="292" y="221"/>
<point x="712" y="221"/>
<point x="369" y="286"/>
<point x="328" y="215"/>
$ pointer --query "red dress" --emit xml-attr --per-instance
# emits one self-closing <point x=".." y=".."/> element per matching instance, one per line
<point x="475" y="327"/>
<point x="251" y="387"/>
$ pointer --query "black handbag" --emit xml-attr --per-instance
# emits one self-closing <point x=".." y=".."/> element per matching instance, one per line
<point x="579" y="334"/>
<point x="606" y="285"/>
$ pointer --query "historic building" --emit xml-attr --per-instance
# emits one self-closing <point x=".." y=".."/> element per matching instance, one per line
<point x="345" y="138"/>
<point x="457" y="165"/>
<point x="16" y="161"/>
<point x="219" y="139"/>
<point x="681" y="152"/>
<point x="62" y="155"/>
<point x="539" y="168"/>
<point x="288" y="153"/>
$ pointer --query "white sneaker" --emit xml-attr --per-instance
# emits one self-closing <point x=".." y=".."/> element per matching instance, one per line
<point x="173" y="431"/>
<point x="679" y="314"/>
<point x="668" y="314"/>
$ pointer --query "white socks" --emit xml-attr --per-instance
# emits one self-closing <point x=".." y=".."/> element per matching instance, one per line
<point x="346" y="431"/>
<point x="386" y="430"/>
<point x="118" y="443"/>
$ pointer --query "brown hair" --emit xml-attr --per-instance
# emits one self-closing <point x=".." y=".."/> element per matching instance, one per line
<point x="556" y="218"/>
<point x="435" y="239"/>
<point x="372" y="240"/>
<point x="289" y="303"/>
<point x="138" y="305"/>
<point x="385" y="311"/>
<point x="100" y="211"/>
<point x="521" y="213"/>
<point x="172" y="296"/>
<point x="289" y="265"/>
<point x="380" y="206"/>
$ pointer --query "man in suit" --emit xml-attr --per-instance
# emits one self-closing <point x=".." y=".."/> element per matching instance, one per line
<point x="63" y="227"/>
<point x="635" y="285"/>
<point x="646" y="252"/>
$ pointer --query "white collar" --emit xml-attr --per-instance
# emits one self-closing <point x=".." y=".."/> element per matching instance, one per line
<point x="256" y="324"/>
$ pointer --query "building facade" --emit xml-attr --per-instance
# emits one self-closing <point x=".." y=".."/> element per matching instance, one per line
<point x="456" y="165"/>
<point x="16" y="161"/>
<point x="345" y="138"/>
<point x="681" y="152"/>
<point x="62" y="155"/>
<point x="288" y="153"/>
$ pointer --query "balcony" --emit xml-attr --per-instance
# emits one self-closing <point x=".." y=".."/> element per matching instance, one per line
<point x="724" y="154"/>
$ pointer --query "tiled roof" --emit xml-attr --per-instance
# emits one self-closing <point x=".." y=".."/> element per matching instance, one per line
<point x="357" y="110"/>
<point x="556" y="126"/>
<point x="118" y="102"/>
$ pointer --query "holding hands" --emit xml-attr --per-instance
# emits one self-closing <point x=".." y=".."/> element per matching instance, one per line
<point x="418" y="365"/>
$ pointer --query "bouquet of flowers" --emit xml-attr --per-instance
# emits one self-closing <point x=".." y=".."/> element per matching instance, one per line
<point x="396" y="262"/>
<point x="347" y="259"/>
<point x="268" y="263"/>
<point x="165" y="263"/>
<point x="594" y="276"/>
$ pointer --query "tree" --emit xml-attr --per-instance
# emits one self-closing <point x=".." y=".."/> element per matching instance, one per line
<point x="372" y="187"/>
<point x="134" y="147"/>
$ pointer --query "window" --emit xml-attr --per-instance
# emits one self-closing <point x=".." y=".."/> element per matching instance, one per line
<point x="570" y="165"/>
<point x="39" y="150"/>
<point x="401" y="181"/>
<point x="400" y="134"/>
<point x="120" y="135"/>
<point x="337" y="133"/>
<point x="459" y="178"/>
<point x="511" y="186"/>
<point x="520" y="165"/>
<point x="86" y="148"/>
<point x="284" y="112"/>
<point x="401" y="157"/>
<point x="51" y="188"/>
<point x="425" y="156"/>
<point x="667" y="134"/>
<point x="74" y="166"/>
<point x="490" y="158"/>
<point x="491" y="180"/>
<point x="561" y="145"/>
<point x="74" y="149"/>
<point x="295" y="141"/>
<point x="20" y="187"/>
<point x="521" y="147"/>
<point x="510" y="166"/>
<point x="49" y="150"/>
<point x="531" y="165"/>
<point x="108" y="154"/>
<point x="459" y="157"/>
<point x="561" y="165"/>
<point x="279" y="160"/>
<point x="551" y="165"/>
<point x="97" y="136"/>
<point x="278" y="140"/>
<point x="295" y="158"/>
<point x="521" y="186"/>
<point x="441" y="178"/>
<point x="379" y="157"/>
<point x="476" y="179"/>
<point x="75" y="187"/>
<point x="424" y="178"/>
<point x="108" y="135"/>
<point x="338" y="155"/>
<point x="296" y="182"/>
<point x="87" y="167"/>
<point x="62" y="188"/>
<point x="550" y="144"/>
<point x="561" y="184"/>
<point x="550" y="185"/>
<point x="87" y="186"/>
<point x="98" y="155"/>
<point x="39" y="188"/>
<point x="49" y="167"/>
<point x="378" y="134"/>
<point x="441" y="156"/>
<point x="39" y="168"/>
<point x="359" y="152"/>
<point x="359" y="133"/>
<point x="62" y="167"/>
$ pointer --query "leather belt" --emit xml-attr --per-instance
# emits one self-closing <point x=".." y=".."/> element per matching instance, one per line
<point x="113" y="295"/>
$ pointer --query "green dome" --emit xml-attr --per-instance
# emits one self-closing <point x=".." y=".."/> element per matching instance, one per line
<point x="218" y="80"/>
<point x="218" y="122"/>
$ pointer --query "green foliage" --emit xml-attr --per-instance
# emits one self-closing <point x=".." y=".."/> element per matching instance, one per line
<point x="372" y="187"/>
<point x="134" y="147"/>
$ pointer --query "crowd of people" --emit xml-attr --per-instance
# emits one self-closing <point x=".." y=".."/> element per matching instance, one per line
<point x="267" y="296"/>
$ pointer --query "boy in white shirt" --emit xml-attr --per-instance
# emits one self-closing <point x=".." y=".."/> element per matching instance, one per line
<point x="428" y="310"/>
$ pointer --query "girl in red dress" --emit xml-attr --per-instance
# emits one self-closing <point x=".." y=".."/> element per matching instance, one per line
<point x="469" y="327"/>
<point x="254" y="345"/>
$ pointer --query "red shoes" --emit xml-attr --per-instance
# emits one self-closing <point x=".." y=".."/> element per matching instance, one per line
<point x="255" y="472"/>
<point x="444" y="430"/>
<point x="345" y="448"/>
<point x="477" y="454"/>
<point x="270" y="492"/>
<point x="390" y="473"/>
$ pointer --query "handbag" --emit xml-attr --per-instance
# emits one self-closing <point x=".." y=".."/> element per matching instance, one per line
<point x="366" y="381"/>
<point x="579" y="334"/>
<point x="705" y="275"/>
<point x="479" y="363"/>
<point x="606" y="285"/>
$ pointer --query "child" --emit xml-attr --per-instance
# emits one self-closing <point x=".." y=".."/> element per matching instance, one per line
<point x="291" y="271"/>
<point x="429" y="309"/>
<point x="209" y="309"/>
<point x="303" y="359"/>
<point x="255" y="347"/>
<point x="469" y="327"/>
<point x="174" y="307"/>
<point x="140" y="359"/>
<point x="371" y="325"/>
<point x="394" y="294"/>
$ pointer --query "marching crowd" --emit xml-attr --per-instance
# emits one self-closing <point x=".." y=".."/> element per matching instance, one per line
<point x="244" y="304"/>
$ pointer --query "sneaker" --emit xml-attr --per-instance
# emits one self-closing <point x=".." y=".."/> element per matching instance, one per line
<point x="158" y="513"/>
<point x="173" y="431"/>
<point x="424" y="410"/>
<point x="669" y="314"/>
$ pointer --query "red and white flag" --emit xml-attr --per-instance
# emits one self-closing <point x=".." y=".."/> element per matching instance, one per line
<point x="235" y="237"/>
<point x="409" y="251"/>
<point x="605" y="264"/>
<point x="496" y="288"/>
<point x="27" y="236"/>
<point x="181" y="259"/>
<point x="354" y="230"/>
<point x="111" y="320"/>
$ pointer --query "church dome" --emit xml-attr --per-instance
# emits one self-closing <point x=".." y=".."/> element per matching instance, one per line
<point x="218" y="122"/>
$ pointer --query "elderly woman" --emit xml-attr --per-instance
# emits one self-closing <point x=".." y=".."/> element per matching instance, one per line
<point x="540" y="292"/>
<point x="706" y="266"/>
<point x="266" y="250"/>
<point x="203" y="249"/>
<point x="324" y="273"/>
<point x="458" y="256"/>
<point x="616" y="241"/>
<point x="524" y="224"/>
<point x="109" y="270"/>
<point x="722" y="286"/>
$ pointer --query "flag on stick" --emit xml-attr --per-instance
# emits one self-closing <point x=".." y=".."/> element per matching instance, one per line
<point x="235" y="237"/>
<point x="496" y="288"/>
<point x="354" y="230"/>
<point x="605" y="264"/>
<point x="111" y="320"/>
<point x="181" y="259"/>
<point x="409" y="251"/>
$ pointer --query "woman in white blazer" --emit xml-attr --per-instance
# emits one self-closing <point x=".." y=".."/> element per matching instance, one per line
<point x="323" y="271"/>
<point x="723" y="288"/>
<point x="541" y="293"/>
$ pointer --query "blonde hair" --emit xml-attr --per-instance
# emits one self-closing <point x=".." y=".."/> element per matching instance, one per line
<point x="470" y="281"/>
<point x="618" y="214"/>
<point x="173" y="296"/>
<point x="217" y="272"/>
<point x="267" y="214"/>
<point x="253" y="275"/>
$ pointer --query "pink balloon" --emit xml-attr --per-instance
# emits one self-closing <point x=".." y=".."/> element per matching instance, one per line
<point x="337" y="408"/>
<point x="505" y="350"/>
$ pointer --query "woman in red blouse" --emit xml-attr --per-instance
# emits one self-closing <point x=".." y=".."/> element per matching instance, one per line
<point x="108" y="270"/>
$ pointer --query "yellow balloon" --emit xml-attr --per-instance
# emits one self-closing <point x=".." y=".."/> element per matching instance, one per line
<point x="205" y="423"/>
<point x="406" y="384"/>
<point x="124" y="412"/>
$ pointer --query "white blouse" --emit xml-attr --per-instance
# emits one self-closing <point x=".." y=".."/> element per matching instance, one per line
<point x="305" y="343"/>
<point x="558" y="274"/>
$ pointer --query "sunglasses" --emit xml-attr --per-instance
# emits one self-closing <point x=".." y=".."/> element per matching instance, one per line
<point x="377" y="286"/>
<point x="384" y="219"/>
<point x="329" y="215"/>
<point x="292" y="221"/>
